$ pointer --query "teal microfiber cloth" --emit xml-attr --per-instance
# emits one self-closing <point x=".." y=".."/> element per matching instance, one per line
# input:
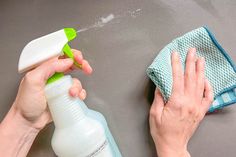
<point x="220" y="69"/>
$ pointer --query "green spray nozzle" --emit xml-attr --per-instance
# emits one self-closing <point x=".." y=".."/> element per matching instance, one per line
<point x="70" y="34"/>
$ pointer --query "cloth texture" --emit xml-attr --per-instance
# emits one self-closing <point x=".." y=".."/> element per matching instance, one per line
<point x="220" y="69"/>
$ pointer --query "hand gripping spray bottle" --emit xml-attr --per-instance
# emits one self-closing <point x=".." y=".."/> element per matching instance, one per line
<point x="79" y="131"/>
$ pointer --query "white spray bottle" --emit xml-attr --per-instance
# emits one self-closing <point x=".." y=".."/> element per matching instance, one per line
<point x="79" y="131"/>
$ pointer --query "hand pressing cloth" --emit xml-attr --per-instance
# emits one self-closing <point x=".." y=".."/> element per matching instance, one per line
<point x="220" y="69"/>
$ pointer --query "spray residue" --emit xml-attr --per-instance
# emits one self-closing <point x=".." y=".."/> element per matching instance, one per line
<point x="102" y="21"/>
<point x="109" y="19"/>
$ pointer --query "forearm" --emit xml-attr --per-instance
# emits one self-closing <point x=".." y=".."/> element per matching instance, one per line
<point x="16" y="135"/>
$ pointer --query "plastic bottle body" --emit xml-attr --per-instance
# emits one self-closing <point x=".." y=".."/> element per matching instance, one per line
<point x="98" y="116"/>
<point x="76" y="134"/>
<point x="81" y="141"/>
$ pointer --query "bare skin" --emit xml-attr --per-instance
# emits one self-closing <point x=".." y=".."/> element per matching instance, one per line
<point x="29" y="112"/>
<point x="173" y="124"/>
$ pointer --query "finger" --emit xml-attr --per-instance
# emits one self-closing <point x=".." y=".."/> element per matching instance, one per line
<point x="78" y="56"/>
<point x="87" y="69"/>
<point x="76" y="92"/>
<point x="83" y="94"/>
<point x="49" y="116"/>
<point x="208" y="96"/>
<point x="77" y="52"/>
<point x="69" y="70"/>
<point x="177" y="73"/>
<point x="190" y="70"/>
<point x="158" y="104"/>
<point x="76" y="88"/>
<point x="47" y="69"/>
<point x="200" y="72"/>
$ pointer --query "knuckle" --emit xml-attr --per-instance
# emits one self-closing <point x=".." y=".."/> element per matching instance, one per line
<point x="77" y="89"/>
<point x="29" y="77"/>
<point x="32" y="78"/>
<point x="55" y="64"/>
<point x="177" y="76"/>
<point x="77" y="52"/>
<point x="188" y="75"/>
<point x="192" y="109"/>
<point x="152" y="112"/>
<point x="209" y="100"/>
<point x="176" y="99"/>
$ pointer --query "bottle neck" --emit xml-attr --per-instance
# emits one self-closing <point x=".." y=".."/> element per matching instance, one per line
<point x="65" y="110"/>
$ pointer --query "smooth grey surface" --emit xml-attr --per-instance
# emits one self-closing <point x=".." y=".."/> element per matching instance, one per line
<point x="120" y="53"/>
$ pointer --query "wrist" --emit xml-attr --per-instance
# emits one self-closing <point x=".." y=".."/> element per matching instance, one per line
<point x="16" y="134"/>
<point x="35" y="119"/>
<point x="23" y="121"/>
<point x="169" y="152"/>
<point x="15" y="120"/>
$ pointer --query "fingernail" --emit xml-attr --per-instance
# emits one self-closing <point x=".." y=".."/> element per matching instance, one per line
<point x="202" y="60"/>
<point x="193" y="52"/>
<point x="79" y="59"/>
<point x="90" y="70"/>
<point x="176" y="56"/>
<point x="83" y="94"/>
<point x="175" y="53"/>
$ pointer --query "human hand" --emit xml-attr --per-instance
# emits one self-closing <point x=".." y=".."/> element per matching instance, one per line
<point x="172" y="124"/>
<point x="30" y="102"/>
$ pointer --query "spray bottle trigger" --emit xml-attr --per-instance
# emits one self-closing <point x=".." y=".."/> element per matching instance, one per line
<point x="68" y="52"/>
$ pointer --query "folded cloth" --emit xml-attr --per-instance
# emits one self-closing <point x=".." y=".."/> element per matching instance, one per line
<point x="220" y="69"/>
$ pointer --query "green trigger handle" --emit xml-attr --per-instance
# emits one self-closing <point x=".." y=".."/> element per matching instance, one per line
<point x="70" y="34"/>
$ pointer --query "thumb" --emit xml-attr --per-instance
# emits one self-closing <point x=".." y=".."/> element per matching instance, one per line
<point x="47" y="69"/>
<point x="158" y="104"/>
<point x="208" y="96"/>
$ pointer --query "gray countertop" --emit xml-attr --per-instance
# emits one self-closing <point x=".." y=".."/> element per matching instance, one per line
<point x="120" y="53"/>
